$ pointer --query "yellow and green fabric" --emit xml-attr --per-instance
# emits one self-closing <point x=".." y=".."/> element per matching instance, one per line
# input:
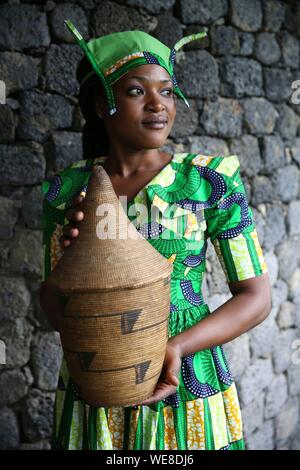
<point x="194" y="198"/>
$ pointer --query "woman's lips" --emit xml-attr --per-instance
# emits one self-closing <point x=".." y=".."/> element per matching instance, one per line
<point x="155" y="125"/>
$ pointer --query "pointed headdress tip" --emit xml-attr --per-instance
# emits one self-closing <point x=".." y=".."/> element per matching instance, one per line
<point x="73" y="29"/>
<point x="187" y="39"/>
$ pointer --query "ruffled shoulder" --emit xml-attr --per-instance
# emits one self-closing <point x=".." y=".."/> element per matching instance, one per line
<point x="193" y="182"/>
<point x="224" y="164"/>
<point x="60" y="188"/>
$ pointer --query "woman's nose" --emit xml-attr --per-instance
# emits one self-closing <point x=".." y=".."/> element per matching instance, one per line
<point x="155" y="104"/>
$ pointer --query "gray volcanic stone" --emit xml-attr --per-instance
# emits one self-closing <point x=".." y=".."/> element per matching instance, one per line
<point x="14" y="298"/>
<point x="186" y="119"/>
<point x="7" y="124"/>
<point x="208" y="146"/>
<point x="225" y="40"/>
<point x="246" y="15"/>
<point x="64" y="148"/>
<point x="240" y="77"/>
<point x="262" y="338"/>
<point x="40" y="445"/>
<point x="276" y="218"/>
<point x="287" y="420"/>
<point x="293" y="373"/>
<point x="202" y="12"/>
<point x="279" y="293"/>
<point x="288" y="257"/>
<point x="277" y="84"/>
<point x="272" y="153"/>
<point x="121" y="18"/>
<point x="222" y="117"/>
<point x="42" y="113"/>
<point x="290" y="50"/>
<point x="22" y="26"/>
<point x="37" y="414"/>
<point x="152" y="6"/>
<point x="13" y="386"/>
<point x="32" y="207"/>
<point x="21" y="164"/>
<point x="286" y="192"/>
<point x="253" y="415"/>
<point x="263" y="438"/>
<point x="18" y="71"/>
<point x="262" y="190"/>
<point x="259" y="115"/>
<point x="246" y="43"/>
<point x="293" y="217"/>
<point x="60" y="66"/>
<point x="238" y="355"/>
<point x="267" y="49"/>
<point x="286" y="315"/>
<point x="9" y="431"/>
<point x="199" y="74"/>
<point x="247" y="149"/>
<point x="46" y="360"/>
<point x="288" y="122"/>
<point x="274" y="13"/>
<point x="9" y="211"/>
<point x="27" y="253"/>
<point x="72" y="12"/>
<point x="257" y="376"/>
<point x="295" y="149"/>
<point x="17" y="336"/>
<point x="272" y="264"/>
<point x="168" y="28"/>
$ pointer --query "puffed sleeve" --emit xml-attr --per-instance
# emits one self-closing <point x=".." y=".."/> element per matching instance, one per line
<point x="231" y="228"/>
<point x="59" y="191"/>
<point x="53" y="219"/>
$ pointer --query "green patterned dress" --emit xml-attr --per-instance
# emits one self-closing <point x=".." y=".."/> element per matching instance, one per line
<point x="197" y="198"/>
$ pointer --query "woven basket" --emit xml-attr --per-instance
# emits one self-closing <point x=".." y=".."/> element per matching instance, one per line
<point x="116" y="296"/>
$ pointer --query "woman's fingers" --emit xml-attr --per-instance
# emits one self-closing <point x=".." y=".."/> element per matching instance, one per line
<point x="64" y="242"/>
<point x="161" y="392"/>
<point x="70" y="231"/>
<point x="74" y="214"/>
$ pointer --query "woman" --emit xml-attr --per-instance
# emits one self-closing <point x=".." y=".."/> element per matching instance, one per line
<point x="195" y="404"/>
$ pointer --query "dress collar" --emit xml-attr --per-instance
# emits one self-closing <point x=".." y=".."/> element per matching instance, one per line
<point x="159" y="185"/>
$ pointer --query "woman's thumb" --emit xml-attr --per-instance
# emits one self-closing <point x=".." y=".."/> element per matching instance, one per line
<point x="173" y="378"/>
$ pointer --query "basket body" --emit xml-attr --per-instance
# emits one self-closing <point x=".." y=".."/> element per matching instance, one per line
<point x="115" y="342"/>
<point x="116" y="297"/>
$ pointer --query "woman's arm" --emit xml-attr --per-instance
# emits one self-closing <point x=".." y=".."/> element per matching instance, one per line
<point x="51" y="304"/>
<point x="249" y="306"/>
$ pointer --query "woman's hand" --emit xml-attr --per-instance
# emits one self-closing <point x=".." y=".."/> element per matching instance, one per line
<point x="52" y="304"/>
<point x="168" y="380"/>
<point x="74" y="214"/>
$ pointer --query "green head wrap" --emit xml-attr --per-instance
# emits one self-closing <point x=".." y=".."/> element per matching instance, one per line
<point x="113" y="55"/>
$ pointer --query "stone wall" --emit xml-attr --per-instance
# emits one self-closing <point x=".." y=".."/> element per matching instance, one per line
<point x="239" y="84"/>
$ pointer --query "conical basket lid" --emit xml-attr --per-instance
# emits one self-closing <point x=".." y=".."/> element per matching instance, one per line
<point x="92" y="263"/>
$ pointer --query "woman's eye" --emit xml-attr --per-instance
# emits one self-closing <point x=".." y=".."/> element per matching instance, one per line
<point x="169" y="90"/>
<point x="131" y="89"/>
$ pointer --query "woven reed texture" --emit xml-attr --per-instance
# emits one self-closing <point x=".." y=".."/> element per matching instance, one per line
<point x="116" y="299"/>
<point x="92" y="263"/>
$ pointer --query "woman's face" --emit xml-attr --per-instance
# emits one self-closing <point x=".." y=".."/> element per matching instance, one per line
<point x="145" y="92"/>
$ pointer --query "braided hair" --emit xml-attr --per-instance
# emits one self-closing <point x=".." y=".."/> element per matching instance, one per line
<point x="95" y="139"/>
